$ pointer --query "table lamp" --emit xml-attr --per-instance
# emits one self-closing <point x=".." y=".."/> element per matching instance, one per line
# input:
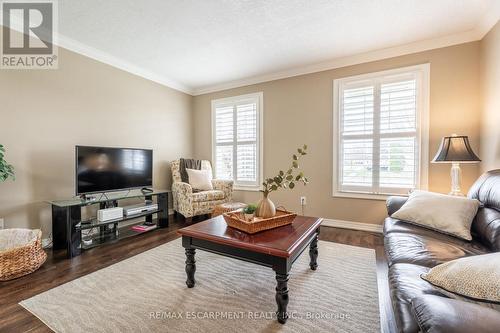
<point x="455" y="149"/>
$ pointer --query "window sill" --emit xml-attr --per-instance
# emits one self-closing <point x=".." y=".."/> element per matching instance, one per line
<point x="246" y="188"/>
<point x="364" y="196"/>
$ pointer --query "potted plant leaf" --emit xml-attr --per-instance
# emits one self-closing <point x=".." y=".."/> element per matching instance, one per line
<point x="6" y="170"/>
<point x="283" y="180"/>
<point x="249" y="211"/>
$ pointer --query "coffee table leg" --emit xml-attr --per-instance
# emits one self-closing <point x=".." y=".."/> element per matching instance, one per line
<point x="282" y="296"/>
<point x="313" y="252"/>
<point x="190" y="267"/>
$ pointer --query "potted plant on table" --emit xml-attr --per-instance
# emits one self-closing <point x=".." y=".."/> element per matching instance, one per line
<point x="249" y="212"/>
<point x="282" y="180"/>
<point x="6" y="170"/>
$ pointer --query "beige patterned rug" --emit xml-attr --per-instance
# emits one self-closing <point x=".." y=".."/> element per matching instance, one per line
<point x="147" y="293"/>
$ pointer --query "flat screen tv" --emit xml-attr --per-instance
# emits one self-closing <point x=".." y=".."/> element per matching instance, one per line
<point x="104" y="169"/>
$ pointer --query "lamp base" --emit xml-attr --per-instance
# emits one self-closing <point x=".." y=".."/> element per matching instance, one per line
<point x="455" y="175"/>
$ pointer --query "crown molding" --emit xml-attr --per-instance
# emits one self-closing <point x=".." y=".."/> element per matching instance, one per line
<point x="415" y="47"/>
<point x="90" y="52"/>
<point x="484" y="26"/>
<point x="489" y="20"/>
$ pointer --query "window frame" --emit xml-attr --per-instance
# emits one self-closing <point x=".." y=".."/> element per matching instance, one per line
<point x="422" y="72"/>
<point x="234" y="100"/>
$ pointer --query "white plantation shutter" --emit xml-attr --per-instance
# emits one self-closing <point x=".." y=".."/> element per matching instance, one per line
<point x="357" y="143"/>
<point x="236" y="139"/>
<point x="224" y="134"/>
<point x="246" y="152"/>
<point x="378" y="147"/>
<point x="398" y="128"/>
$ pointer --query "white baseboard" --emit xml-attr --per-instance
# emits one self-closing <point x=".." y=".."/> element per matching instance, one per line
<point x="352" y="225"/>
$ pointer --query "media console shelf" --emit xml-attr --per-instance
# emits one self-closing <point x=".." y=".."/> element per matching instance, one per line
<point x="68" y="227"/>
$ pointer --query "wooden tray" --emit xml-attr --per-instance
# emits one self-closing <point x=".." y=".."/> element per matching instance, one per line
<point x="237" y="220"/>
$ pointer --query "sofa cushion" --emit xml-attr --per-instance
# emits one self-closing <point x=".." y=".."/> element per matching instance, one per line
<point x="392" y="225"/>
<point x="443" y="213"/>
<point x="474" y="278"/>
<point x="486" y="225"/>
<point x="208" y="195"/>
<point x="443" y="315"/>
<point x="426" y="249"/>
<point x="486" y="228"/>
<point x="405" y="284"/>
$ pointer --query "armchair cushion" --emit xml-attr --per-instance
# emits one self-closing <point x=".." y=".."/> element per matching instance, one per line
<point x="200" y="179"/>
<point x="208" y="195"/>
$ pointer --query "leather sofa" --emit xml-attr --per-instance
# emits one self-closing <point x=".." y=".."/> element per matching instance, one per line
<point x="413" y="250"/>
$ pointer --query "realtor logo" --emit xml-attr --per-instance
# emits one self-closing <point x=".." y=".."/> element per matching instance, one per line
<point x="28" y="34"/>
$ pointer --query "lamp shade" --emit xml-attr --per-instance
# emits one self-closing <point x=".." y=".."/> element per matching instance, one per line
<point x="455" y="149"/>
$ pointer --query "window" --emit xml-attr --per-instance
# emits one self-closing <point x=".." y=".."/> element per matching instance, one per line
<point x="381" y="132"/>
<point x="237" y="140"/>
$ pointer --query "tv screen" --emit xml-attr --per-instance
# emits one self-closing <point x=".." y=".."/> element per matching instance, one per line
<point x="102" y="169"/>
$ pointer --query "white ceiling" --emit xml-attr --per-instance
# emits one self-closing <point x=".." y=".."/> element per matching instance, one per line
<point x="204" y="45"/>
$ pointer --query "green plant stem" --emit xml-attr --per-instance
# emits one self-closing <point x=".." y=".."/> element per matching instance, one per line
<point x="286" y="179"/>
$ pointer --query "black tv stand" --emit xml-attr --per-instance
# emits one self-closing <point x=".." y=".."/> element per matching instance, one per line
<point x="68" y="226"/>
<point x="88" y="197"/>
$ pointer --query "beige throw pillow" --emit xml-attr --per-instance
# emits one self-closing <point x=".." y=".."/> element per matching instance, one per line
<point x="200" y="179"/>
<point x="475" y="278"/>
<point x="440" y="212"/>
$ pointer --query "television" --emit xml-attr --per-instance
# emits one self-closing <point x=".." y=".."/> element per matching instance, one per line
<point x="105" y="169"/>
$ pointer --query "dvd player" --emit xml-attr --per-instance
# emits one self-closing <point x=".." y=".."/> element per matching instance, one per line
<point x="139" y="208"/>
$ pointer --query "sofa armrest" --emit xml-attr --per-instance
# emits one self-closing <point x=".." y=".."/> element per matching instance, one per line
<point x="225" y="186"/>
<point x="394" y="203"/>
<point x="436" y="314"/>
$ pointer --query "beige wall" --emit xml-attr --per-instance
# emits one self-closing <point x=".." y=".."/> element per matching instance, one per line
<point x="45" y="113"/>
<point x="298" y="110"/>
<point x="490" y="99"/>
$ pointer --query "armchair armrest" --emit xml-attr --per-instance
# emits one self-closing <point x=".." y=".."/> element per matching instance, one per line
<point x="438" y="314"/>
<point x="181" y="187"/>
<point x="182" y="198"/>
<point x="394" y="203"/>
<point x="225" y="186"/>
<point x="182" y="192"/>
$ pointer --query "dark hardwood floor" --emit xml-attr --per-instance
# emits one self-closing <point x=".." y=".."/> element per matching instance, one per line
<point x="58" y="270"/>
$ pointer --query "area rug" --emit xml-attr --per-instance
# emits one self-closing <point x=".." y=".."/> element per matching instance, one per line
<point x="147" y="293"/>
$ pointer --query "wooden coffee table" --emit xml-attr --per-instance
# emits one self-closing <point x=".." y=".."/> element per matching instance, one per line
<point x="276" y="248"/>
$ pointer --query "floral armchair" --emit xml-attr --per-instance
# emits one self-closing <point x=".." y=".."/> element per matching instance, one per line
<point x="190" y="203"/>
